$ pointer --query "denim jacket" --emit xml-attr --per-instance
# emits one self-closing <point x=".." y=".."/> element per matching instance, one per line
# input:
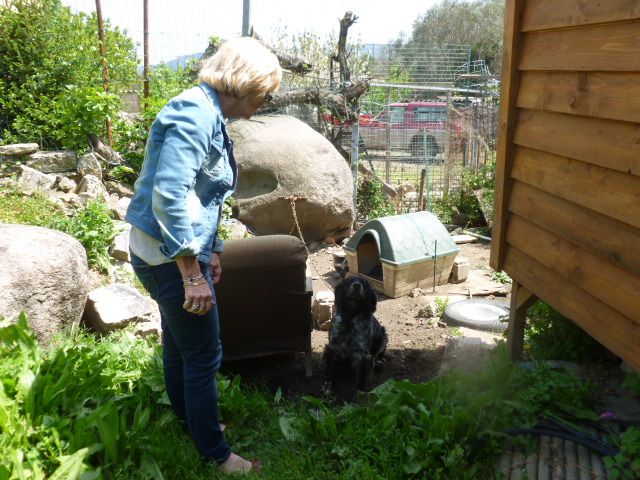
<point x="188" y="172"/>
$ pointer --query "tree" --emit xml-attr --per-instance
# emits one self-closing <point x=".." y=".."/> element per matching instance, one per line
<point x="478" y="23"/>
<point x="51" y="73"/>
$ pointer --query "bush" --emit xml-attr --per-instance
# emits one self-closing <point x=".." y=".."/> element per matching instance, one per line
<point x="93" y="227"/>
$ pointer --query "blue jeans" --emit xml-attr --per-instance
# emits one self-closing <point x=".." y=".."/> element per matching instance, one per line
<point x="192" y="354"/>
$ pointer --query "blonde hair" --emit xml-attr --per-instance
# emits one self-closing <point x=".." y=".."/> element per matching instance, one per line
<point x="242" y="67"/>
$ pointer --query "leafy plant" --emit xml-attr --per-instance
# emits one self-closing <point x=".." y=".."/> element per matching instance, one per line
<point x="441" y="304"/>
<point x="632" y="383"/>
<point x="82" y="110"/>
<point x="89" y="408"/>
<point x="626" y="464"/>
<point x="45" y="48"/>
<point x="465" y="200"/>
<point x="553" y="336"/>
<point x="94" y="228"/>
<point x="372" y="201"/>
<point x="500" y="277"/>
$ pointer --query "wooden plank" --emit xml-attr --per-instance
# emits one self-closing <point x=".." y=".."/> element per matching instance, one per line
<point x="593" y="94"/>
<point x="506" y="126"/>
<point x="598" y="233"/>
<point x="618" y="333"/>
<point x="608" y="143"/>
<point x="571" y="264"/>
<point x="548" y="14"/>
<point x="607" y="48"/>
<point x="611" y="193"/>
<point x="521" y="300"/>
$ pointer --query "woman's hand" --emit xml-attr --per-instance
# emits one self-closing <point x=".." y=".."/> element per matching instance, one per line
<point x="215" y="268"/>
<point x="198" y="297"/>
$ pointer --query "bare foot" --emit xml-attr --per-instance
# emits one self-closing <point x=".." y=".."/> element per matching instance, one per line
<point x="235" y="464"/>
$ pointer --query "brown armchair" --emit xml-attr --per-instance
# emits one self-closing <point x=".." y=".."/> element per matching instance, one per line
<point x="264" y="298"/>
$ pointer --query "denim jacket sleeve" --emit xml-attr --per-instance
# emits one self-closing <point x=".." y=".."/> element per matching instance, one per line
<point x="185" y="133"/>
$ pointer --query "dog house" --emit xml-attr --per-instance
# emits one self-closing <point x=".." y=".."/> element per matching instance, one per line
<point x="400" y="253"/>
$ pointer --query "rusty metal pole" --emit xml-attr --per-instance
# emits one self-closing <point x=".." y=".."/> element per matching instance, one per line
<point x="147" y="88"/>
<point x="105" y="70"/>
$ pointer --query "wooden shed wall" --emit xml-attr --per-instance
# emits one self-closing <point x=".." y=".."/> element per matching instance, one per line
<point x="567" y="213"/>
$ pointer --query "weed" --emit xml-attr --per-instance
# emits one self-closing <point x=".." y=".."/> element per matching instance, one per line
<point x="16" y="207"/>
<point x="500" y="277"/>
<point x="626" y="464"/>
<point x="554" y="337"/>
<point x="93" y="227"/>
<point x="91" y="408"/>
<point x="455" y="332"/>
<point x="441" y="304"/>
<point x="373" y="202"/>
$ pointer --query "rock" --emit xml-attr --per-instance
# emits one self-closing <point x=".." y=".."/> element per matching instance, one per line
<point x="429" y="311"/>
<point x="67" y="185"/>
<point x="114" y="307"/>
<point x="460" y="270"/>
<point x="237" y="229"/>
<point x="120" y="249"/>
<point x="279" y="156"/>
<point x="119" y="206"/>
<point x="91" y="187"/>
<point x="19" y="149"/>
<point x="104" y="151"/>
<point x="52" y="162"/>
<point x="32" y="180"/>
<point x="45" y="273"/>
<point x="88" y="164"/>
<point x="322" y="309"/>
<point x="119" y="188"/>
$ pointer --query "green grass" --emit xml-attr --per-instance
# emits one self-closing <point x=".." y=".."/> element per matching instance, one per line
<point x="88" y="409"/>
<point x="15" y="207"/>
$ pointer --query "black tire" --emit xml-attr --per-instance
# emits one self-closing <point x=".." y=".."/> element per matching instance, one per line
<point x="478" y="314"/>
<point x="416" y="147"/>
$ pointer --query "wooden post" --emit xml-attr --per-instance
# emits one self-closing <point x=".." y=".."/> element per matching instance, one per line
<point x="105" y="70"/>
<point x="355" y="135"/>
<point x="145" y="60"/>
<point x="423" y="176"/>
<point x="387" y="175"/>
<point x="521" y="300"/>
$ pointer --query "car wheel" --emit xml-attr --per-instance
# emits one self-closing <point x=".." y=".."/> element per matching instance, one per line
<point x="478" y="314"/>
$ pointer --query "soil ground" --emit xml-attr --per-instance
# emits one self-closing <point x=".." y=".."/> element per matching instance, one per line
<point x="416" y="344"/>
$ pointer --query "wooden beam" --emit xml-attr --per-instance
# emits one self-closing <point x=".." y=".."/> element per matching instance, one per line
<point x="506" y="126"/>
<point x="521" y="299"/>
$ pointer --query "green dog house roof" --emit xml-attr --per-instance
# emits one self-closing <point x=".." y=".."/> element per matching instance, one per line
<point x="406" y="239"/>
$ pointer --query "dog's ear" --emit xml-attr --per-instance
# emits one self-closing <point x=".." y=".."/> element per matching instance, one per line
<point x="371" y="301"/>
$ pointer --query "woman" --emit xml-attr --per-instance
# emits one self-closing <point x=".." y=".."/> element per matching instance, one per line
<point x="188" y="172"/>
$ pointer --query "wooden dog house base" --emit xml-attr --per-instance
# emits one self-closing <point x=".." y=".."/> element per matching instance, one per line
<point x="400" y="253"/>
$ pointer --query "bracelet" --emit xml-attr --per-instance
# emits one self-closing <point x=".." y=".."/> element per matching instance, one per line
<point x="191" y="284"/>
<point x="194" y="279"/>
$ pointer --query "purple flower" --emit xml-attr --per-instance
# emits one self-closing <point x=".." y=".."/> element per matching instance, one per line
<point x="608" y="416"/>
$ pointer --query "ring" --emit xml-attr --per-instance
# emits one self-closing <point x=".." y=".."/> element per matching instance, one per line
<point x="195" y="306"/>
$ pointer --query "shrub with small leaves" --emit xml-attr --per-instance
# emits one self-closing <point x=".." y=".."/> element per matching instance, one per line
<point x="94" y="228"/>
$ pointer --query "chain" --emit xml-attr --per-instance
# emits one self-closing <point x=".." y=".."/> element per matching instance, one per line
<point x="292" y="199"/>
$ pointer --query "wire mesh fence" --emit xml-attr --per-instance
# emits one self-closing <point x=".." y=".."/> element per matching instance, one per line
<point x="430" y="111"/>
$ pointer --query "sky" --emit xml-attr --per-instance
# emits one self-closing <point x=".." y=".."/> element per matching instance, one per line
<point x="179" y="27"/>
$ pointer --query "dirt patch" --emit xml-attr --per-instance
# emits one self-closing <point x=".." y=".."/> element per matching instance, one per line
<point x="416" y="344"/>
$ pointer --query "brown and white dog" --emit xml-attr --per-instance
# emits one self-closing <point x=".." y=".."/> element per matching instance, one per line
<point x="355" y="335"/>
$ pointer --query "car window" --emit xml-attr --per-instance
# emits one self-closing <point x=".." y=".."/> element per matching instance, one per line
<point x="397" y="114"/>
<point x="430" y="114"/>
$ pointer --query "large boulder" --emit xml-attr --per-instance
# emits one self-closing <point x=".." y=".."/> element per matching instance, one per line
<point x="45" y="273"/>
<point x="279" y="156"/>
